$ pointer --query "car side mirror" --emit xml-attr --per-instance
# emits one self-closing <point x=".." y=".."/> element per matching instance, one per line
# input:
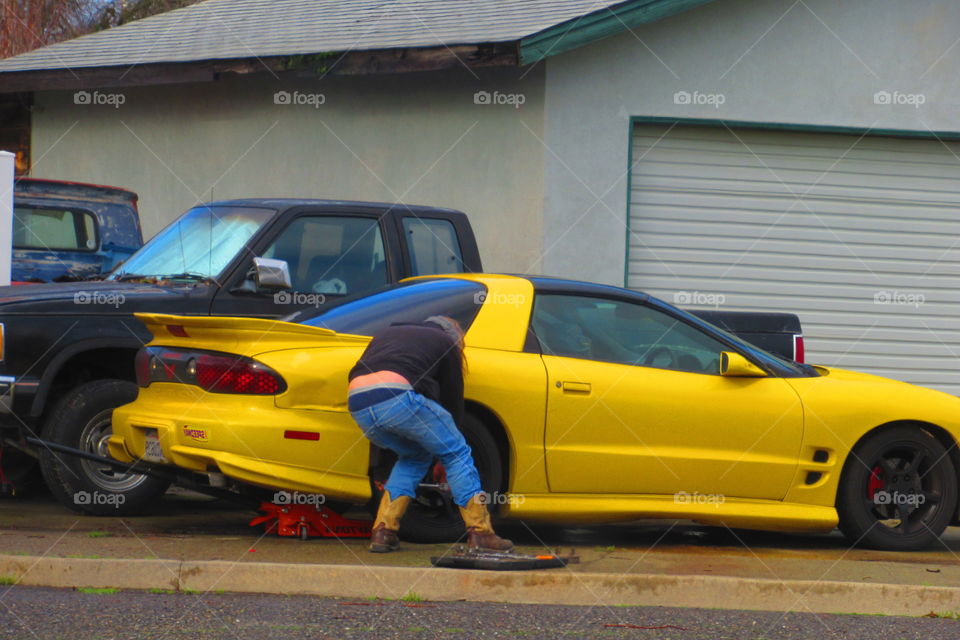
<point x="734" y="365"/>
<point x="271" y="274"/>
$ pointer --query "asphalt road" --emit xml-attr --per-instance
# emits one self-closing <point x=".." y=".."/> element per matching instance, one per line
<point x="54" y="614"/>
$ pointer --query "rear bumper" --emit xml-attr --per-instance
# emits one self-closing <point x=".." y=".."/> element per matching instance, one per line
<point x="245" y="439"/>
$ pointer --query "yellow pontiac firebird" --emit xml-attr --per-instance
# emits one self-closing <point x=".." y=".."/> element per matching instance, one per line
<point x="585" y="403"/>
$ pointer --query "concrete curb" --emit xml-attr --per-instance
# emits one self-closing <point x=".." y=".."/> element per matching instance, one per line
<point x="528" y="587"/>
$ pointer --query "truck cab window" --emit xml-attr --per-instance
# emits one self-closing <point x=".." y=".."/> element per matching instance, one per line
<point x="46" y="228"/>
<point x="332" y="255"/>
<point x="433" y="244"/>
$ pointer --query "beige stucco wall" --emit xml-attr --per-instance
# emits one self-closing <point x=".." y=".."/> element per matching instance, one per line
<point x="416" y="138"/>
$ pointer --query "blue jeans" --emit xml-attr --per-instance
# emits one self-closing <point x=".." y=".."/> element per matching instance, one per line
<point x="418" y="430"/>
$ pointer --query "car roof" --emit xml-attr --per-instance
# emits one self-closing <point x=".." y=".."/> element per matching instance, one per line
<point x="282" y="204"/>
<point x="554" y="284"/>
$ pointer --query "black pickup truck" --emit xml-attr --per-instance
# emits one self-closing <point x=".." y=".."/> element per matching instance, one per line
<point x="67" y="349"/>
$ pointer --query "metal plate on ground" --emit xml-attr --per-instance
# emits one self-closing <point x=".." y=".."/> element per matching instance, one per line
<point x="501" y="561"/>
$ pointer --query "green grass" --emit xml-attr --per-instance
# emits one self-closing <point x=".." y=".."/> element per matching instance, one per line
<point x="98" y="534"/>
<point x="88" y="556"/>
<point x="412" y="596"/>
<point x="8" y="580"/>
<point x="190" y="592"/>
<point x="947" y="615"/>
<point x="164" y="591"/>
<point x="104" y="591"/>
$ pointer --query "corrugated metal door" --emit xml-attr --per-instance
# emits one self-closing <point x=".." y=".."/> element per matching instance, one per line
<point x="858" y="235"/>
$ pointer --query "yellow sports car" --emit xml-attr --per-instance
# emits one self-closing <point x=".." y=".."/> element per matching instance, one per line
<point x="585" y="403"/>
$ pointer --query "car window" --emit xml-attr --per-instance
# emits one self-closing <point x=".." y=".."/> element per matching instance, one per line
<point x="433" y="246"/>
<point x="622" y="332"/>
<point x="337" y="255"/>
<point x="407" y="302"/>
<point x="53" y="228"/>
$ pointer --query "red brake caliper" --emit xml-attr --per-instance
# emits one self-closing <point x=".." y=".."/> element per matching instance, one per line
<point x="875" y="483"/>
<point x="439" y="473"/>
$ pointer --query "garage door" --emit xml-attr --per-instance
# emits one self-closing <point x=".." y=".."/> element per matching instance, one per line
<point x="858" y="235"/>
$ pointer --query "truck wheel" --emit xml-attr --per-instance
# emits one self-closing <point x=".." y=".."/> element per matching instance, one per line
<point x="82" y="419"/>
<point x="433" y="516"/>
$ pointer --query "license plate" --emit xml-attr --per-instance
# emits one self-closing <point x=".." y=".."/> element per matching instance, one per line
<point x="151" y="447"/>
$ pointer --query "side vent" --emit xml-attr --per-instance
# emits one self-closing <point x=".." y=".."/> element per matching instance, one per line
<point x="813" y="477"/>
<point x="821" y="456"/>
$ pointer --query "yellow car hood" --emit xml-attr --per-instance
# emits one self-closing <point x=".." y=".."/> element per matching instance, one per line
<point x="850" y="402"/>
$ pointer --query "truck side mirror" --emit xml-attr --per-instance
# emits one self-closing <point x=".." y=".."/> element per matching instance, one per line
<point x="271" y="274"/>
<point x="734" y="365"/>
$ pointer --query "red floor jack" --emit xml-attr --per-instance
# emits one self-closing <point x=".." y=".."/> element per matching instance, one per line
<point x="308" y="520"/>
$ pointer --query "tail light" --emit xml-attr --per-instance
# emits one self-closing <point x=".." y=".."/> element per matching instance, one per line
<point x="798" y="353"/>
<point x="141" y="366"/>
<point x="213" y="372"/>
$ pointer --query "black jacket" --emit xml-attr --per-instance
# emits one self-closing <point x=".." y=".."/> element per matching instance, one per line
<point x="424" y="355"/>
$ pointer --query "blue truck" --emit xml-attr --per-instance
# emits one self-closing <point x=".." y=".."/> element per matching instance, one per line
<point x="70" y="231"/>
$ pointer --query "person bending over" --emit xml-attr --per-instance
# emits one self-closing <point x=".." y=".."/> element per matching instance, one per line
<point x="406" y="394"/>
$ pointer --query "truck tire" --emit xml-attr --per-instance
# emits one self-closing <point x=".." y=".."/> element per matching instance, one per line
<point x="81" y="419"/>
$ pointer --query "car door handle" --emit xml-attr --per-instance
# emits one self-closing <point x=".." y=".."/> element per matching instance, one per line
<point x="575" y="387"/>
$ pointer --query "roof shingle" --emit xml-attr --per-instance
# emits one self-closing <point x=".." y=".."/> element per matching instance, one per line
<point x="229" y="29"/>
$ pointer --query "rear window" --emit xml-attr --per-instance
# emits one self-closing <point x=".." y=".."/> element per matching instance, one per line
<point x="54" y="228"/>
<point x="434" y="247"/>
<point x="408" y="302"/>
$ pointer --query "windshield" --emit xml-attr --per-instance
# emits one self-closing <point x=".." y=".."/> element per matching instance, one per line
<point x="198" y="246"/>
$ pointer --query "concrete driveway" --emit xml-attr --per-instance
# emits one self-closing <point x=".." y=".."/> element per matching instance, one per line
<point x="186" y="528"/>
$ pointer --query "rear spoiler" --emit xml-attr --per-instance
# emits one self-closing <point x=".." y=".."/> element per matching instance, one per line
<point x="243" y="336"/>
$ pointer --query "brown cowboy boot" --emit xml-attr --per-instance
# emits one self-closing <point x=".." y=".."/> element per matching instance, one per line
<point x="480" y="535"/>
<point x="386" y="525"/>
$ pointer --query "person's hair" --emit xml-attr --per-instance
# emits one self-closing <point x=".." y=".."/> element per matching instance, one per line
<point x="453" y="329"/>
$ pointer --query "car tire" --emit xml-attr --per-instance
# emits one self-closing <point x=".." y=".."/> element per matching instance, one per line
<point x="82" y="420"/>
<point x="898" y="490"/>
<point x="428" y="522"/>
